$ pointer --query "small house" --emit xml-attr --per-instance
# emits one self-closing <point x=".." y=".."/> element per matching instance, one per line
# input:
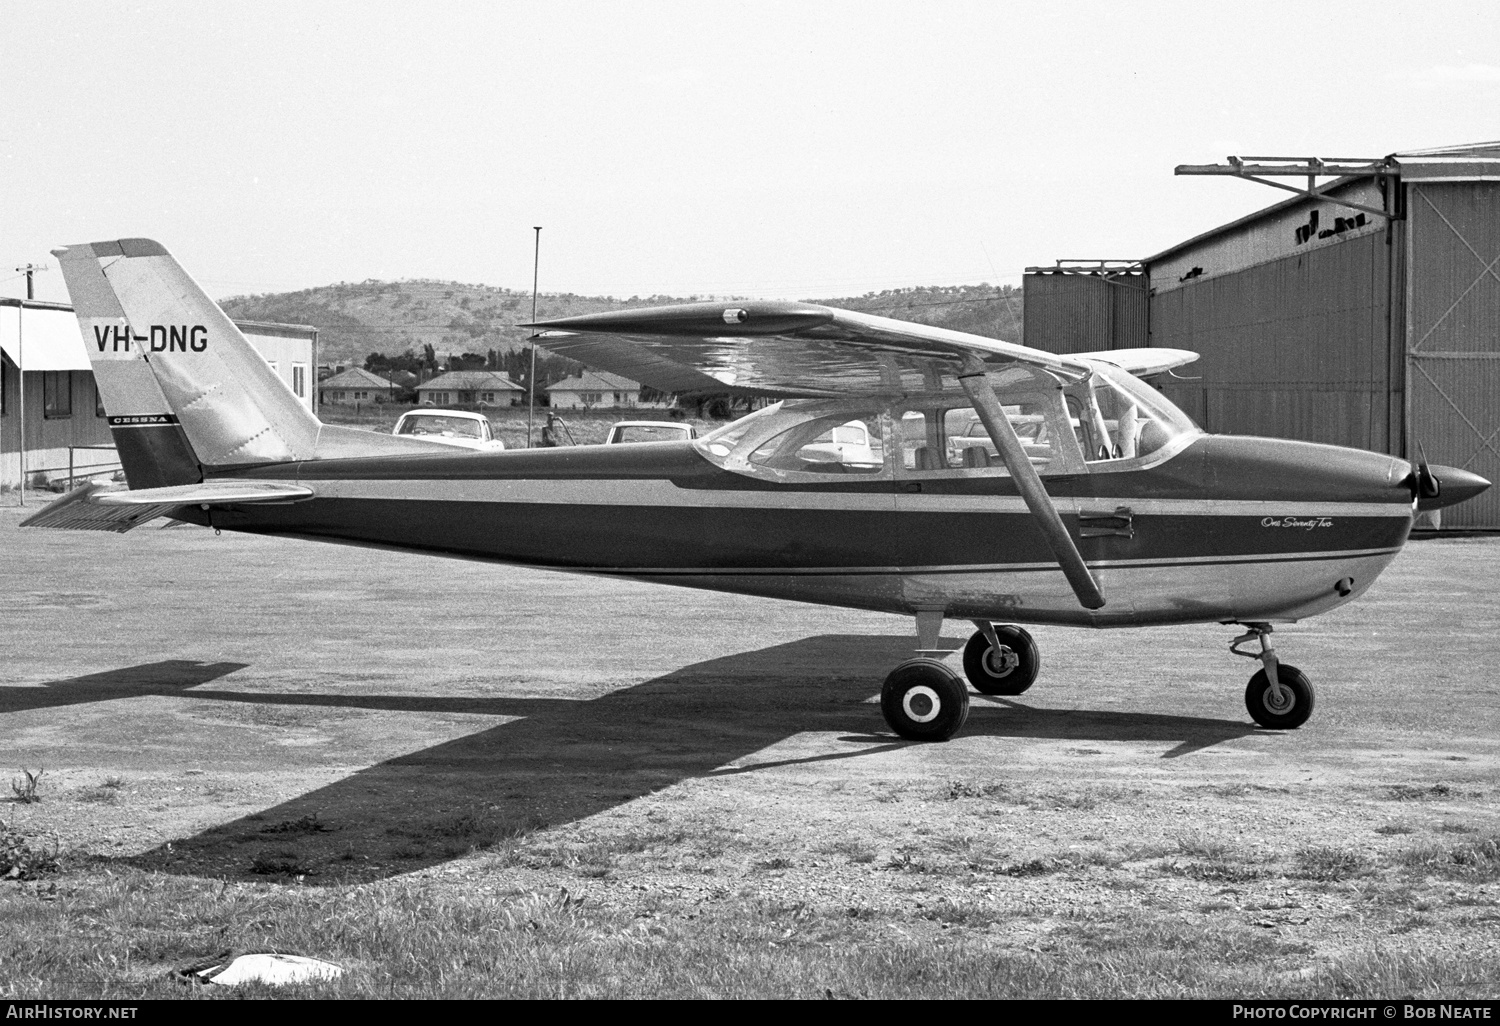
<point x="357" y="385"/>
<point x="594" y="390"/>
<point x="471" y="388"/>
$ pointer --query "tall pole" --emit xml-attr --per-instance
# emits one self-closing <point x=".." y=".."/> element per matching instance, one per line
<point x="28" y="270"/>
<point x="536" y="260"/>
<point x="21" y="380"/>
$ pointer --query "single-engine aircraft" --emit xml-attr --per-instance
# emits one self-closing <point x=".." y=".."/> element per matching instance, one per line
<point x="902" y="468"/>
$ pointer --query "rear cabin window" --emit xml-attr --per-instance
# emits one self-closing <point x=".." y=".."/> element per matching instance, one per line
<point x="825" y="445"/>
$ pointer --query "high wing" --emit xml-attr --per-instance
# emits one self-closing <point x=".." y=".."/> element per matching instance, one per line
<point x="791" y="350"/>
<point x="783" y="350"/>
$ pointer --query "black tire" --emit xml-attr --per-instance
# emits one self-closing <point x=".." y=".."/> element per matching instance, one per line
<point x="923" y="700"/>
<point x="1012" y="672"/>
<point x="1268" y="714"/>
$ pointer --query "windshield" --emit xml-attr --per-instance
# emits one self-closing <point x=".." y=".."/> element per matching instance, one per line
<point x="1117" y="416"/>
<point x="448" y="427"/>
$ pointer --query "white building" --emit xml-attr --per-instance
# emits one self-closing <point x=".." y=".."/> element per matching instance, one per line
<point x="595" y="390"/>
<point x="64" y="423"/>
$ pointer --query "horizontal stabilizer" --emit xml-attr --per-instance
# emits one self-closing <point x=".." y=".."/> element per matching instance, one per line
<point x="209" y="492"/>
<point x="76" y="512"/>
<point x="95" y="507"/>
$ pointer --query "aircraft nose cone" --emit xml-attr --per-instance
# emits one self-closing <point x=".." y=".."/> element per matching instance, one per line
<point x="1454" y="486"/>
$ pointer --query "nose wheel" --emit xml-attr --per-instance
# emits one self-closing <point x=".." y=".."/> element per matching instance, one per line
<point x="1284" y="708"/>
<point x="1279" y="696"/>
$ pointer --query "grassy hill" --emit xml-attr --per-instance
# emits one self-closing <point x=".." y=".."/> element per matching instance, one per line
<point x="354" y="320"/>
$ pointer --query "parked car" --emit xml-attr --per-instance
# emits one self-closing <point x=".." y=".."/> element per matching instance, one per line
<point x="848" y="444"/>
<point x="649" y="431"/>
<point x="450" y="427"/>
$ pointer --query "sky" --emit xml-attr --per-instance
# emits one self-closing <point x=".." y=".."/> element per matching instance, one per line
<point x="776" y="150"/>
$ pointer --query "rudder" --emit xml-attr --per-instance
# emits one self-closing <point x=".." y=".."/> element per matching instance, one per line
<point x="183" y="388"/>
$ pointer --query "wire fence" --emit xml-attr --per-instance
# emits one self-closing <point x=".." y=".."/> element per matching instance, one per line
<point x="65" y="475"/>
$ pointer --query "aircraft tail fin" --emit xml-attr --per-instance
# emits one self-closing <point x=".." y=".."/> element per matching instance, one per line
<point x="183" y="388"/>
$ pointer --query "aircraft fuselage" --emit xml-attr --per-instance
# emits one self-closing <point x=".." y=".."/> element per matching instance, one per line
<point x="1225" y="529"/>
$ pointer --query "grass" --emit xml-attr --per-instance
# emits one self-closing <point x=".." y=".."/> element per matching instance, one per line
<point x="1329" y="863"/>
<point x="110" y="792"/>
<point x="27" y="787"/>
<point x="309" y="824"/>
<point x="413" y="938"/>
<point x="24" y="857"/>
<point x="1476" y="861"/>
<point x="1418" y="792"/>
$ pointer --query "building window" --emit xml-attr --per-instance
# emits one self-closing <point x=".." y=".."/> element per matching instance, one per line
<point x="98" y="400"/>
<point x="57" y="395"/>
<point x="488" y="397"/>
<point x="299" y="380"/>
<point x="276" y="370"/>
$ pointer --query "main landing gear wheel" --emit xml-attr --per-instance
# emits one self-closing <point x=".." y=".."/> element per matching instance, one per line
<point x="923" y="700"/>
<point x="1284" y="708"/>
<point x="1008" y="670"/>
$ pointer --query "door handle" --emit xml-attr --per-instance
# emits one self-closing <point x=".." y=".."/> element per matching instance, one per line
<point x="1106" y="524"/>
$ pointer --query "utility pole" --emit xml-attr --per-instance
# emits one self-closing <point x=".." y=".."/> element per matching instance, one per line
<point x="531" y="377"/>
<point x="28" y="270"/>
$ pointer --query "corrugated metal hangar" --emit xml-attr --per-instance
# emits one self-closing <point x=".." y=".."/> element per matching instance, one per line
<point x="65" y="427"/>
<point x="1365" y="312"/>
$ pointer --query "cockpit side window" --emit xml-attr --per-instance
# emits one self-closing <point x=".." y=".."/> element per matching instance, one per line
<point x="944" y="435"/>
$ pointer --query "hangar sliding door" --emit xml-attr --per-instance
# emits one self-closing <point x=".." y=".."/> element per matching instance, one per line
<point x="1453" y="335"/>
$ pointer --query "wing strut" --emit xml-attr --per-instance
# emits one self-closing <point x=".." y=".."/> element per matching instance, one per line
<point x="982" y="395"/>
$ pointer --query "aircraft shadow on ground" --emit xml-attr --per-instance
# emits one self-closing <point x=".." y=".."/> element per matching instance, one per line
<point x="565" y="760"/>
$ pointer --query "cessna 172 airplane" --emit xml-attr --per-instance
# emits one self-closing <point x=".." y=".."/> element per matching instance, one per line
<point x="905" y="468"/>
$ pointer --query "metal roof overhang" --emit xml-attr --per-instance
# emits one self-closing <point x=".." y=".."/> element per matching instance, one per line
<point x="1434" y="169"/>
<point x="1470" y="162"/>
<point x="48" y="339"/>
<point x="1247" y="219"/>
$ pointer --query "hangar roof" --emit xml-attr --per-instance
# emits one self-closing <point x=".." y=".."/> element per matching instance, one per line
<point x="1464" y="163"/>
<point x="50" y="340"/>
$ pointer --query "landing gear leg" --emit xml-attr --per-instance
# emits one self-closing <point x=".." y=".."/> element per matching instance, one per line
<point x="922" y="699"/>
<point x="1279" y="696"/>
